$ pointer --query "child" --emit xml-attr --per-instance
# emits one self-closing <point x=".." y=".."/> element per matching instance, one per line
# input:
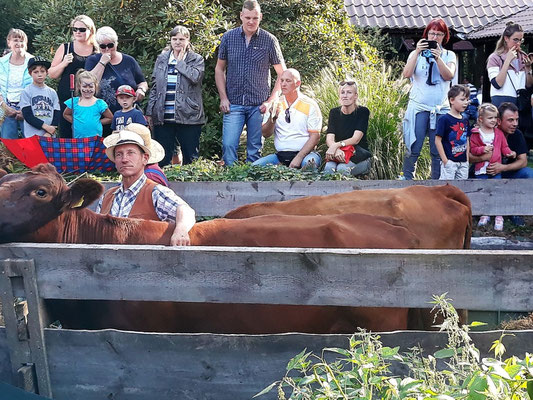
<point x="86" y="113"/>
<point x="452" y="134"/>
<point x="126" y="98"/>
<point x="38" y="102"/>
<point x="485" y="139"/>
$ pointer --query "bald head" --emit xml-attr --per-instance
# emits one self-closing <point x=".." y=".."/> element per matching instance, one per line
<point x="292" y="73"/>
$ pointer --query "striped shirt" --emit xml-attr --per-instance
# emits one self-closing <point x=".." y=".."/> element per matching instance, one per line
<point x="248" y="66"/>
<point x="165" y="201"/>
<point x="172" y="84"/>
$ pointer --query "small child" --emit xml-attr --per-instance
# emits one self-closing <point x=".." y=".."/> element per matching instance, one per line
<point x="86" y="113"/>
<point x="452" y="134"/>
<point x="126" y="99"/>
<point x="38" y="102"/>
<point x="485" y="139"/>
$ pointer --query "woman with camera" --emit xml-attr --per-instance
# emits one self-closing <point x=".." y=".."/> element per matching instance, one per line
<point x="430" y="68"/>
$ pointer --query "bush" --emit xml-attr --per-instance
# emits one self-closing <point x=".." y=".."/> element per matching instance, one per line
<point x="362" y="371"/>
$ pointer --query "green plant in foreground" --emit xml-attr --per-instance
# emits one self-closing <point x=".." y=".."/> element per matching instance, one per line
<point x="363" y="370"/>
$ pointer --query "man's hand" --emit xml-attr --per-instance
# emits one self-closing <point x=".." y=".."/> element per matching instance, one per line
<point x="495" y="168"/>
<point x="180" y="238"/>
<point x="296" y="162"/>
<point x="19" y="116"/>
<point x="265" y="106"/>
<point x="224" y="106"/>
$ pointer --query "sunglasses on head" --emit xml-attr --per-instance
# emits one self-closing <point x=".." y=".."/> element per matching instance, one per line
<point x="82" y="30"/>
<point x="104" y="46"/>
<point x="349" y="83"/>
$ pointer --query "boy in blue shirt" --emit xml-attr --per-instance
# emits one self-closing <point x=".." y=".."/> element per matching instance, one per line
<point x="452" y="134"/>
<point x="129" y="114"/>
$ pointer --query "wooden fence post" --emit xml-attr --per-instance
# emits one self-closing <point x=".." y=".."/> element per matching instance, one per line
<point x="29" y="362"/>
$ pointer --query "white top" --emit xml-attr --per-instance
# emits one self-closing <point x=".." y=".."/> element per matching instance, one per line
<point x="487" y="138"/>
<point x="14" y="83"/>
<point x="305" y="117"/>
<point x="516" y="75"/>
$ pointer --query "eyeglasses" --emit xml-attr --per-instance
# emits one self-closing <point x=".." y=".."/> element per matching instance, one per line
<point x="288" y="115"/>
<point x="104" y="46"/>
<point x="436" y="34"/>
<point x="82" y="30"/>
<point x="349" y="83"/>
<point x="516" y="40"/>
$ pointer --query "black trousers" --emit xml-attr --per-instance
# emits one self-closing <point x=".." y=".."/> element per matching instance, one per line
<point x="187" y="136"/>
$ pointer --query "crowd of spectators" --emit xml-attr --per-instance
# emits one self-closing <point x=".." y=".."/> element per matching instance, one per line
<point x="109" y="85"/>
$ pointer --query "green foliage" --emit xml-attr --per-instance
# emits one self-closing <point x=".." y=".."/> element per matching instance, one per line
<point x="362" y="371"/>
<point x="208" y="170"/>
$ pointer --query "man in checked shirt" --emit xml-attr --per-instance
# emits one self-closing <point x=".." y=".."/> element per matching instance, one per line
<point x="139" y="197"/>
<point x="242" y="76"/>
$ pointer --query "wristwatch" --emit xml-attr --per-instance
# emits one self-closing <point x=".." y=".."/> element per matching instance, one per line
<point x="343" y="144"/>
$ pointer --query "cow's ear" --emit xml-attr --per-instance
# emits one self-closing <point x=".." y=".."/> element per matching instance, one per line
<point x="82" y="193"/>
<point x="45" y="169"/>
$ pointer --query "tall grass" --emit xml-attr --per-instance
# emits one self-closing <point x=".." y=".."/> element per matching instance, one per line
<point x="385" y="95"/>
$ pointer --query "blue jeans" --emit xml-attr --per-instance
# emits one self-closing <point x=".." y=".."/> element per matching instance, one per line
<point x="522" y="173"/>
<point x="421" y="131"/>
<point x="233" y="123"/>
<point x="487" y="176"/>
<point x="349" y="168"/>
<point x="310" y="161"/>
<point x="11" y="127"/>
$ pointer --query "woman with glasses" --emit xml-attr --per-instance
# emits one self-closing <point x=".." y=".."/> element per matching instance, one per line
<point x="430" y="68"/>
<point x="175" y="108"/>
<point x="114" y="69"/>
<point x="346" y="136"/>
<point x="14" y="77"/>
<point x="509" y="68"/>
<point x="69" y="58"/>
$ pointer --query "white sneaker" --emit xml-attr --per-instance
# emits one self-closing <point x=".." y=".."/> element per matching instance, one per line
<point x="483" y="220"/>
<point x="498" y="223"/>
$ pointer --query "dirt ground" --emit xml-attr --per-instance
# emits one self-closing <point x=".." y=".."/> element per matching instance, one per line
<point x="510" y="231"/>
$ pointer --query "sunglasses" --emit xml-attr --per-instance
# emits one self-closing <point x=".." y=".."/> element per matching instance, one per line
<point x="349" y="83"/>
<point x="288" y="115"/>
<point x="104" y="46"/>
<point x="82" y="30"/>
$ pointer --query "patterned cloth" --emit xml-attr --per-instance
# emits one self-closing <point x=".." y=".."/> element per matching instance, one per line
<point x="165" y="201"/>
<point x="248" y="66"/>
<point x="67" y="155"/>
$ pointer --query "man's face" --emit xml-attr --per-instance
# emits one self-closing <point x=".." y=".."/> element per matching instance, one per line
<point x="509" y="122"/>
<point x="289" y="84"/>
<point x="250" y="20"/>
<point x="130" y="160"/>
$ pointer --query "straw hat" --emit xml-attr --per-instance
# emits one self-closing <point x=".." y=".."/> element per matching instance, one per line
<point x="136" y="134"/>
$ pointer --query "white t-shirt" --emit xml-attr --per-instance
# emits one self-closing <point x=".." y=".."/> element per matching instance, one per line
<point x="14" y="83"/>
<point x="305" y="118"/>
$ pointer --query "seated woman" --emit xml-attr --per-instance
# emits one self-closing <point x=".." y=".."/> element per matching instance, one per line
<point x="346" y="136"/>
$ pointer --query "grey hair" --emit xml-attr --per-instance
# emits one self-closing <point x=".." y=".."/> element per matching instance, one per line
<point x="106" y="32"/>
<point x="251" y="5"/>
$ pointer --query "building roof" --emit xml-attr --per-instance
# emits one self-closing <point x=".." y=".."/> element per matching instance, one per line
<point x="524" y="18"/>
<point x="463" y="16"/>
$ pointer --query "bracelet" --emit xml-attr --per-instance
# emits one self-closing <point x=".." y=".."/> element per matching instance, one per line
<point x="100" y="62"/>
<point x="144" y="91"/>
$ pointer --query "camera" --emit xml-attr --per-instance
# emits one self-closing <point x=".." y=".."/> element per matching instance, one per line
<point x="427" y="53"/>
<point x="432" y="44"/>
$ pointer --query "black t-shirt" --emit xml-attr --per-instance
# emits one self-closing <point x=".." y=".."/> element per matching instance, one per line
<point x="344" y="125"/>
<point x="517" y="142"/>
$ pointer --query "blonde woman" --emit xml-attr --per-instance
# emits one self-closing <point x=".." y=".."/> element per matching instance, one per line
<point x="69" y="59"/>
<point x="509" y="68"/>
<point x="14" y="77"/>
<point x="346" y="137"/>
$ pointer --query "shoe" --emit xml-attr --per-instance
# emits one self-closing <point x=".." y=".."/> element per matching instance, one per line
<point x="498" y="223"/>
<point x="518" y="220"/>
<point x="483" y="220"/>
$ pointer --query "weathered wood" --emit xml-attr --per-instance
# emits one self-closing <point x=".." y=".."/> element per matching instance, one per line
<point x="124" y="365"/>
<point x="6" y="374"/>
<point x="14" y="270"/>
<point x="488" y="197"/>
<point x="354" y="277"/>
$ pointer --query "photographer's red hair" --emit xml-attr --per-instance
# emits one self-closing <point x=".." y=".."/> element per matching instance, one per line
<point x="438" y="24"/>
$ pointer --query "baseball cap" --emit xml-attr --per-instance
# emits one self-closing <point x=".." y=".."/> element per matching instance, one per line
<point x="125" y="89"/>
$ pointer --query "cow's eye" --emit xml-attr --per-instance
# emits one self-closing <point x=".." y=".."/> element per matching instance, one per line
<point x="40" y="192"/>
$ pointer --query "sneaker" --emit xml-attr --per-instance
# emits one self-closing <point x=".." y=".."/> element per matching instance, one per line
<point x="498" y="223"/>
<point x="518" y="220"/>
<point x="483" y="220"/>
<point x="401" y="177"/>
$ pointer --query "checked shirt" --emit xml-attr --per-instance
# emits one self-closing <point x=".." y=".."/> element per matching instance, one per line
<point x="164" y="199"/>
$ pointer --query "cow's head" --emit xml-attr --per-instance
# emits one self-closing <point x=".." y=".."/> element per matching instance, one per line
<point x="30" y="200"/>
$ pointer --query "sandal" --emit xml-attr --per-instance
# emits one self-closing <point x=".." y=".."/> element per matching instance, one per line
<point x="498" y="223"/>
<point x="483" y="220"/>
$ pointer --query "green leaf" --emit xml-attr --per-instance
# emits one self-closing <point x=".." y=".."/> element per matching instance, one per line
<point x="297" y="360"/>
<point x="477" y="323"/>
<point x="266" y="390"/>
<point x="444" y="353"/>
<point x="530" y="389"/>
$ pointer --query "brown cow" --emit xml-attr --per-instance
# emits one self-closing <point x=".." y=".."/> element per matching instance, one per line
<point x="440" y="216"/>
<point x="38" y="206"/>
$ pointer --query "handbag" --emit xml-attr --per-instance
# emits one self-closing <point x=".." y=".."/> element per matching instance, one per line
<point x="522" y="98"/>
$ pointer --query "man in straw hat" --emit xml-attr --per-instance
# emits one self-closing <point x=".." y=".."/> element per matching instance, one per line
<point x="137" y="196"/>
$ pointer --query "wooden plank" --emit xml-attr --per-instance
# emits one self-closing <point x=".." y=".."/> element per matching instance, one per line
<point x="352" y="277"/>
<point x="6" y="374"/>
<point x="124" y="365"/>
<point x="488" y="197"/>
